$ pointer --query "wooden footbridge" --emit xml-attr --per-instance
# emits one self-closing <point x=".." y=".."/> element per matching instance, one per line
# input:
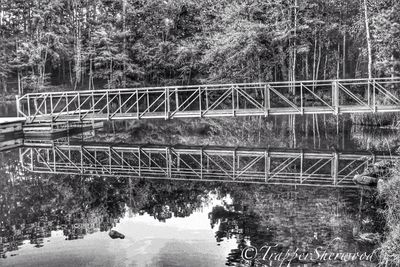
<point x="246" y="99"/>
<point x="218" y="164"/>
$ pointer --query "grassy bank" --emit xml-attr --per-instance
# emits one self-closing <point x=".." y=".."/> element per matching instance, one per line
<point x="389" y="191"/>
<point x="219" y="131"/>
<point x="377" y="120"/>
<point x="239" y="131"/>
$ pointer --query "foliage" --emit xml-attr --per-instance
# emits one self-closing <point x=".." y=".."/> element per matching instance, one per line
<point x="389" y="191"/>
<point x="136" y="42"/>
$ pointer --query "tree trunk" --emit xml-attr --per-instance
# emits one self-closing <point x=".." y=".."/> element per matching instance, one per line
<point x="393" y="70"/>
<point x="368" y="40"/>
<point x="3" y="78"/>
<point x="124" y="42"/>
<point x="78" y="45"/>
<point x="294" y="43"/>
<point x="344" y="56"/>
<point x="315" y="58"/>
<point x="19" y="82"/>
<point x="319" y="60"/>
<point x="338" y="61"/>
<point x="307" y="67"/>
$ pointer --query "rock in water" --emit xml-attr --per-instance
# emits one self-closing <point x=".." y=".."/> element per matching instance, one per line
<point x="114" y="234"/>
<point x="373" y="238"/>
<point x="365" y="179"/>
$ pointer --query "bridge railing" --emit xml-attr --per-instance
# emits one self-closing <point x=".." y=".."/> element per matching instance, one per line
<point x="246" y="99"/>
<point x="267" y="166"/>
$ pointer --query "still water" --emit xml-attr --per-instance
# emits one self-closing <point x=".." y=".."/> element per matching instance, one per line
<point x="64" y="219"/>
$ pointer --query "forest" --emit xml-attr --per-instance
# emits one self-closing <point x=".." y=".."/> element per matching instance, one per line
<point x="80" y="44"/>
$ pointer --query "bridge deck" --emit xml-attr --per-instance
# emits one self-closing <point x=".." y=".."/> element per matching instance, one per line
<point x="76" y="116"/>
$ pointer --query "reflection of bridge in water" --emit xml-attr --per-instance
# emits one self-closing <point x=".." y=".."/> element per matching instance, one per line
<point x="248" y="165"/>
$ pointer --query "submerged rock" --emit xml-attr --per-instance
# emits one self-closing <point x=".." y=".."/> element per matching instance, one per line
<point x="115" y="234"/>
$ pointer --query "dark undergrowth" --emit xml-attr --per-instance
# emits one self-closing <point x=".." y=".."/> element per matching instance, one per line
<point x="389" y="191"/>
<point x="378" y="120"/>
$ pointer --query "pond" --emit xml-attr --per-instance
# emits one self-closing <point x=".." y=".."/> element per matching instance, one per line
<point x="56" y="212"/>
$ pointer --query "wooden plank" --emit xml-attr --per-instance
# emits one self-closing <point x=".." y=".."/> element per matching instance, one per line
<point x="7" y="120"/>
<point x="9" y="144"/>
<point x="9" y="128"/>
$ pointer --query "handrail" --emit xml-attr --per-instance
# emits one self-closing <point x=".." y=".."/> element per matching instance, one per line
<point x="286" y="83"/>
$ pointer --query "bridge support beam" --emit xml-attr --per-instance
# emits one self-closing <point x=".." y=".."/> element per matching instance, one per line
<point x="335" y="97"/>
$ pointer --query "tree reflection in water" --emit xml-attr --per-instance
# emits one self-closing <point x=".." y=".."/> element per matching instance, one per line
<point x="296" y="218"/>
<point x="33" y="205"/>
